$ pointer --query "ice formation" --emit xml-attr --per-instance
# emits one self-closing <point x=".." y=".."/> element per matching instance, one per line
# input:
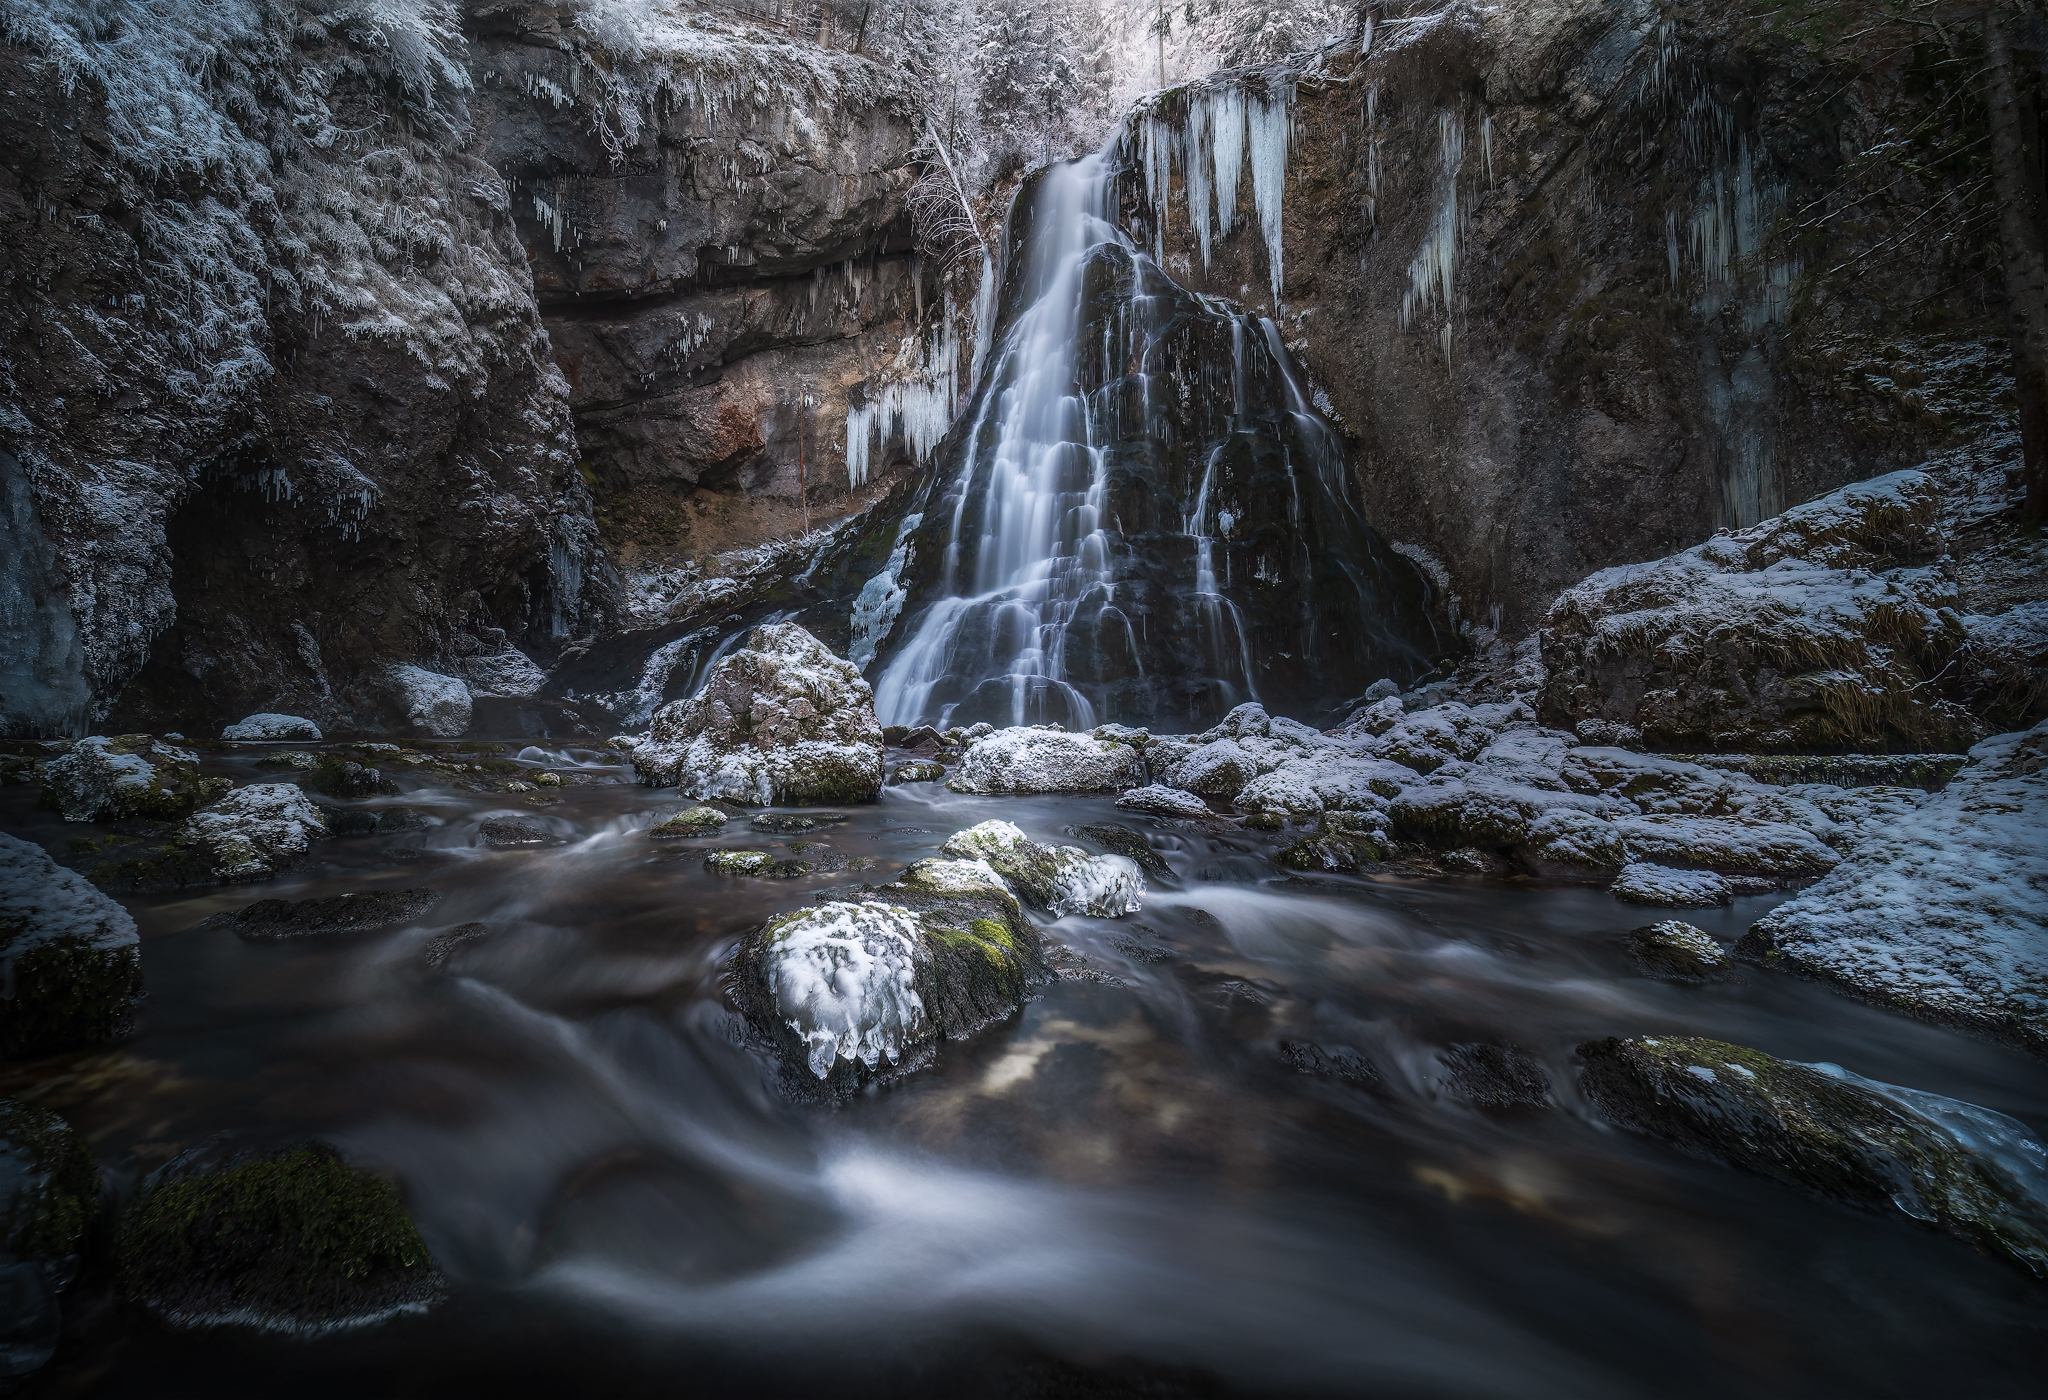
<point x="1044" y="760"/>
<point x="269" y="726"/>
<point x="1224" y="124"/>
<point x="881" y="599"/>
<point x="1061" y="880"/>
<point x="1432" y="276"/>
<point x="844" y="979"/>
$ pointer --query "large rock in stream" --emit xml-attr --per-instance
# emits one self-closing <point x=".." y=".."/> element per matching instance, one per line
<point x="49" y="1201"/>
<point x="70" y="959"/>
<point x="293" y="1240"/>
<point x="862" y="990"/>
<point x="1967" y="1170"/>
<point x="781" y="721"/>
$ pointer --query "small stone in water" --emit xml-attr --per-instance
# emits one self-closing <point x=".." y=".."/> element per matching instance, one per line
<point x="783" y="822"/>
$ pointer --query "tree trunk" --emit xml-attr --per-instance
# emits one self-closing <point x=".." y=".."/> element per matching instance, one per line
<point x="2016" y="165"/>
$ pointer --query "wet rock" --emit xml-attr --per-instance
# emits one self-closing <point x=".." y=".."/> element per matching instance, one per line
<point x="254" y="832"/>
<point x="1333" y="852"/>
<point x="503" y="675"/>
<point x="49" y="1202"/>
<point x="783" y="823"/>
<point x="433" y="704"/>
<point x="781" y="721"/>
<point x="1852" y="1140"/>
<point x="853" y="992"/>
<point x="1674" y="889"/>
<point x="267" y="728"/>
<point x="365" y="821"/>
<point x="294" y="760"/>
<point x="1338" y="1062"/>
<point x="1123" y="841"/>
<point x="272" y="920"/>
<point x="738" y="862"/>
<point x="1158" y="800"/>
<point x="444" y="946"/>
<point x="294" y="1242"/>
<point x="1675" y="951"/>
<point x="512" y="831"/>
<point x="335" y="776"/>
<point x="695" y="821"/>
<point x="924" y="771"/>
<point x="1058" y="879"/>
<point x="1942" y="911"/>
<point x="1021" y="760"/>
<point x="70" y="959"/>
<point x="129" y="775"/>
<point x="1492" y="1074"/>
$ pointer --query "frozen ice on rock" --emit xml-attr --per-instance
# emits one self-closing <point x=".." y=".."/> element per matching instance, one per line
<point x="1058" y="879"/>
<point x="1159" y="800"/>
<point x="1641" y="883"/>
<point x="265" y="727"/>
<point x="1025" y="760"/>
<point x="844" y="979"/>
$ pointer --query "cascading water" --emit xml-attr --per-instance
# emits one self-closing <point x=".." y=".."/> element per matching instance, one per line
<point x="1142" y="517"/>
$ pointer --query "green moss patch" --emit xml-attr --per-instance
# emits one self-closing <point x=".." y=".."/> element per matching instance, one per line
<point x="296" y="1242"/>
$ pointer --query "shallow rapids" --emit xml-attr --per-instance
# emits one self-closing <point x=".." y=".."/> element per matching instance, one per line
<point x="1126" y="1189"/>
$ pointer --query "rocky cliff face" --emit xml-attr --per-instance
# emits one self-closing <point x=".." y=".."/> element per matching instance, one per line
<point x="1586" y="281"/>
<point x="303" y="313"/>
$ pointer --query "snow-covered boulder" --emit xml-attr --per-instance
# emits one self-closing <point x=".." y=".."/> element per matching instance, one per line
<point x="1158" y="800"/>
<point x="433" y="704"/>
<point x="854" y="991"/>
<point x="1941" y="911"/>
<point x="1643" y="883"/>
<point x="782" y="720"/>
<point x="503" y="675"/>
<point x="254" y="832"/>
<point x="267" y="728"/>
<point x="129" y="775"/>
<point x="1061" y="880"/>
<point x="1802" y="632"/>
<point x="1045" y="760"/>
<point x="70" y="959"/>
<point x="1883" y="1148"/>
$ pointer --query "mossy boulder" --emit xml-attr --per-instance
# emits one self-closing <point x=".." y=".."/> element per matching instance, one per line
<point x="1675" y="951"/>
<point x="128" y="775"/>
<point x="696" y="821"/>
<point x="919" y="771"/>
<point x="69" y="956"/>
<point x="1845" y="1138"/>
<point x="853" y="992"/>
<point x="251" y="834"/>
<point x="291" y="1241"/>
<point x="49" y="1203"/>
<point x="1058" y="879"/>
<point x="334" y="776"/>
<point x="738" y="862"/>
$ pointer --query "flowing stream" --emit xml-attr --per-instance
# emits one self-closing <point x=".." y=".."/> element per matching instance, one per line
<point x="1125" y="1189"/>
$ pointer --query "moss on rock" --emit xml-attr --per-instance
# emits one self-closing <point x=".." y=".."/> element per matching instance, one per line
<point x="49" y="1186"/>
<point x="1837" y="1137"/>
<point x="295" y="1242"/>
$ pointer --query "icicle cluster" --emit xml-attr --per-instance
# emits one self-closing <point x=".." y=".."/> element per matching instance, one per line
<point x="1224" y="125"/>
<point x="920" y="403"/>
<point x="1433" y="273"/>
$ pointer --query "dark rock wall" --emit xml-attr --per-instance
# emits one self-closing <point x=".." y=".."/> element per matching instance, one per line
<point x="1650" y="334"/>
<point x="277" y="293"/>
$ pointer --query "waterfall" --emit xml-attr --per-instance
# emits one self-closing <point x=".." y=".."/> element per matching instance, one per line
<point x="1037" y="553"/>
<point x="1142" y="516"/>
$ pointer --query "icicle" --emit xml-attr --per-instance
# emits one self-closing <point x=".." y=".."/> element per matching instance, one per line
<point x="1486" y="144"/>
<point x="1671" y="246"/>
<point x="1433" y="273"/>
<point x="1272" y="122"/>
<point x="1197" y="166"/>
<point x="859" y="431"/>
<point x="1226" y="136"/>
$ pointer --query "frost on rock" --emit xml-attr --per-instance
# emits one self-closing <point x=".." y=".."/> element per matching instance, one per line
<point x="433" y="704"/>
<point x="255" y="832"/>
<point x="1675" y="951"/>
<point x="503" y="675"/>
<point x="782" y="720"/>
<point x="1158" y="800"/>
<point x="1641" y="883"/>
<point x="1061" y="880"/>
<point x="881" y="598"/>
<point x="844" y="979"/>
<point x="1942" y="911"/>
<point x="1836" y="625"/>
<point x="128" y="775"/>
<point x="267" y="727"/>
<point x="1022" y="760"/>
<point x="70" y="959"/>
